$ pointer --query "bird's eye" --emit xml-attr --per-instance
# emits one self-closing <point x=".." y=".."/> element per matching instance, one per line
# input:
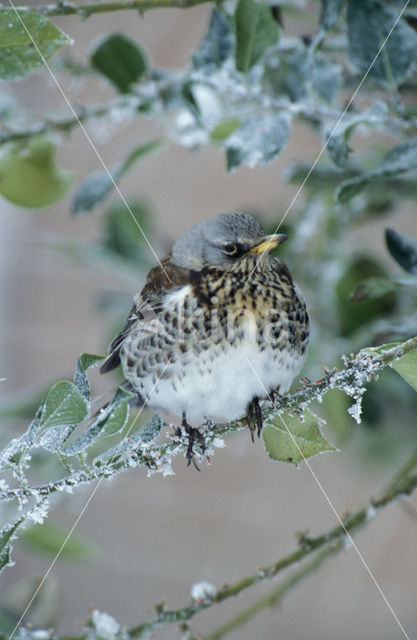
<point x="230" y="249"/>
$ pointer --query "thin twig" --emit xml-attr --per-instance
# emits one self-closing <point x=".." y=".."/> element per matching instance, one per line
<point x="307" y="547"/>
<point x="87" y="9"/>
<point x="273" y="597"/>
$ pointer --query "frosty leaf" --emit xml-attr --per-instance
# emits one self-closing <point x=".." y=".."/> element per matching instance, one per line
<point x="29" y="175"/>
<point x="49" y="538"/>
<point x="98" y="185"/>
<point x="256" y="30"/>
<point x="150" y="430"/>
<point x="84" y="362"/>
<point x="330" y="13"/>
<point x="6" y="535"/>
<point x="110" y="420"/>
<point x="325" y="77"/>
<point x="338" y="147"/>
<point x="369" y="23"/>
<point x="217" y="44"/>
<point x="53" y="439"/>
<point x="289" y="440"/>
<point x="403" y="249"/>
<point x="257" y="141"/>
<point x="64" y="405"/>
<point x="371" y="289"/>
<point x="120" y="60"/>
<point x="407" y="368"/>
<point x="18" y="56"/>
<point x="398" y="160"/>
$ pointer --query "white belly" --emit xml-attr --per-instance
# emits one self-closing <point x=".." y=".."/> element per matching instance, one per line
<point x="221" y="387"/>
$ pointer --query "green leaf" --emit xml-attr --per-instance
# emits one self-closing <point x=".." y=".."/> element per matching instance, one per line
<point x="407" y="368"/>
<point x="110" y="420"/>
<point x="354" y="316"/>
<point x="288" y="439"/>
<point x="84" y="362"/>
<point x="18" y="55"/>
<point x="330" y="13"/>
<point x="403" y="249"/>
<point x="369" y="23"/>
<point x="64" y="405"/>
<point x="256" y="30"/>
<point x="49" y="538"/>
<point x="29" y="176"/>
<point x="97" y="186"/>
<point x="398" y="161"/>
<point x="257" y="141"/>
<point x="6" y="535"/>
<point x="217" y="45"/>
<point x="120" y="60"/>
<point x="372" y="289"/>
<point x="224" y="129"/>
<point x="121" y="230"/>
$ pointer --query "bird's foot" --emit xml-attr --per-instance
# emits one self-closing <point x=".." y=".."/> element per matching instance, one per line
<point x="254" y="411"/>
<point x="192" y="434"/>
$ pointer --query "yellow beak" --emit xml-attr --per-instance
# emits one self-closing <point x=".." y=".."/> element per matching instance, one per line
<point x="268" y="243"/>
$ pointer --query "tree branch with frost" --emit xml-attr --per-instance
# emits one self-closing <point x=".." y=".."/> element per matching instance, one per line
<point x="68" y="406"/>
<point x="205" y="596"/>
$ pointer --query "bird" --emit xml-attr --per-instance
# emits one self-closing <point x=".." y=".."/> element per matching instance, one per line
<point x="218" y="325"/>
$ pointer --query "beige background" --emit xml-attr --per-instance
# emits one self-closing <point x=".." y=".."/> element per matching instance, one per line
<point x="157" y="536"/>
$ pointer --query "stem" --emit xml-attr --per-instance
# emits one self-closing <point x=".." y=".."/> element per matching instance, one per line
<point x="360" y="367"/>
<point x="68" y="123"/>
<point x="63" y="8"/>
<point x="332" y="539"/>
<point x="276" y="595"/>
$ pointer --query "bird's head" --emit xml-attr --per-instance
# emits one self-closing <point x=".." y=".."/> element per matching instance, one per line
<point x="221" y="240"/>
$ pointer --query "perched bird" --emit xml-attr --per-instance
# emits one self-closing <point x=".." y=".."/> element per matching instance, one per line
<point x="218" y="325"/>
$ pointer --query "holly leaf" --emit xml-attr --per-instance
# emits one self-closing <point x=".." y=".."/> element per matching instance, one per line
<point x="18" y="55"/>
<point x="64" y="405"/>
<point x="84" y="362"/>
<point x="287" y="439"/>
<point x="257" y="141"/>
<point x="369" y="24"/>
<point x="6" y="535"/>
<point x="217" y="44"/>
<point x="256" y="30"/>
<point x="403" y="249"/>
<point x="406" y="366"/>
<point x="120" y="60"/>
<point x="29" y="176"/>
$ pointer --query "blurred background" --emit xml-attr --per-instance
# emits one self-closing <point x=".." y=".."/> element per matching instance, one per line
<point x="154" y="537"/>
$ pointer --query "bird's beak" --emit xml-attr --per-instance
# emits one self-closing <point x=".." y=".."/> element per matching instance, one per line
<point x="268" y="243"/>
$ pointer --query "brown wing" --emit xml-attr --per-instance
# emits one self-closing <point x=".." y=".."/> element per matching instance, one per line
<point x="162" y="278"/>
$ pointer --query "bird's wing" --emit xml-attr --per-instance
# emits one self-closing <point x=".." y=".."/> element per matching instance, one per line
<point x="162" y="278"/>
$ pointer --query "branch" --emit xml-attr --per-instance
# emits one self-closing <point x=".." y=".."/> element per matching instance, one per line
<point x="63" y="8"/>
<point x="135" y="450"/>
<point x="274" y="597"/>
<point x="67" y="124"/>
<point x="329" y="543"/>
<point x="335" y="537"/>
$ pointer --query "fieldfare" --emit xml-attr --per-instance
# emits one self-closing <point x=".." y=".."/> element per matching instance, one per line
<point x="218" y="325"/>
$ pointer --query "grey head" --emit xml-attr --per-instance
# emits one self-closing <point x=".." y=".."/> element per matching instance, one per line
<point x="221" y="240"/>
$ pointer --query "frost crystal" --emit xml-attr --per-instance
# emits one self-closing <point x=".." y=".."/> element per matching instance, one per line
<point x="355" y="411"/>
<point x="202" y="590"/>
<point x="39" y="512"/>
<point x="105" y="626"/>
<point x="370" y="512"/>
